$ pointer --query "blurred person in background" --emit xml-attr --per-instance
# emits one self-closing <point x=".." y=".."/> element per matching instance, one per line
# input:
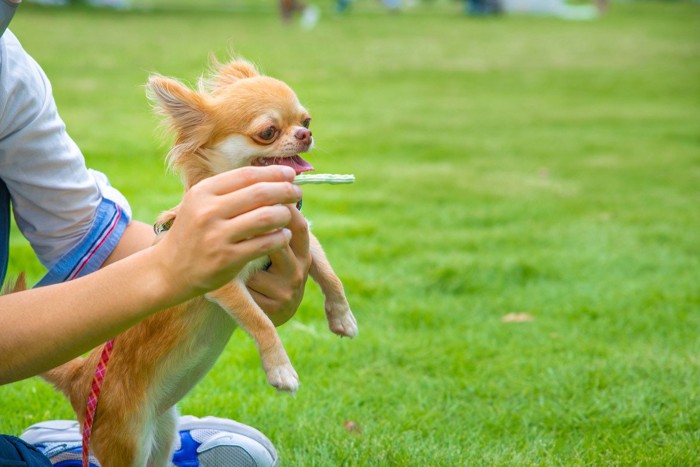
<point x="308" y="14"/>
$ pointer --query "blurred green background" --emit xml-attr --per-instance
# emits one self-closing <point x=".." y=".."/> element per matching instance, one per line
<point x="521" y="248"/>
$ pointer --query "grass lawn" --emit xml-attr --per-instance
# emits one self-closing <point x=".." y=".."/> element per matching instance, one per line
<point x="510" y="165"/>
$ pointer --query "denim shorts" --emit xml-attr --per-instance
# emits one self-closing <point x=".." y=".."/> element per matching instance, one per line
<point x="14" y="452"/>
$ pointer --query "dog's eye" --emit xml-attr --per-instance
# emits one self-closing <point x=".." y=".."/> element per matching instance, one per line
<point x="268" y="134"/>
<point x="306" y="122"/>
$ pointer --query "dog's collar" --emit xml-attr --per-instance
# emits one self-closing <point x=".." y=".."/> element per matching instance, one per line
<point x="160" y="227"/>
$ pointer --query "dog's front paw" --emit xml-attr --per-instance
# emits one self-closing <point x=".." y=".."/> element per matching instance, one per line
<point x="283" y="378"/>
<point x="341" y="320"/>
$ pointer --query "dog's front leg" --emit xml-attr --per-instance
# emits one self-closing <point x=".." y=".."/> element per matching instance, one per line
<point x="340" y="319"/>
<point x="236" y="300"/>
<point x="122" y="439"/>
<point x="164" y="434"/>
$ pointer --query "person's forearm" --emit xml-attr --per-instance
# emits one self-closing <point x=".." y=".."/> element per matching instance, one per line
<point x="224" y="222"/>
<point x="80" y="314"/>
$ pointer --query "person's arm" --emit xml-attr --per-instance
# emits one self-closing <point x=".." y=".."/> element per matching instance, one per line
<point x="224" y="222"/>
<point x="277" y="290"/>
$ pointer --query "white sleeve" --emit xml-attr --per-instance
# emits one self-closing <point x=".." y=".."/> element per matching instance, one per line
<point x="54" y="195"/>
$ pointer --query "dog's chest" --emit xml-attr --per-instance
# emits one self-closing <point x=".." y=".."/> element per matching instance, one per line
<point x="195" y="356"/>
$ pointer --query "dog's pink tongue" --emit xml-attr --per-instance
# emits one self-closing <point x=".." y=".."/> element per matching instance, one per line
<point x="296" y="162"/>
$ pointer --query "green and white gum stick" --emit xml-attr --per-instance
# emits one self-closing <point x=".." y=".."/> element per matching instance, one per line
<point x="333" y="179"/>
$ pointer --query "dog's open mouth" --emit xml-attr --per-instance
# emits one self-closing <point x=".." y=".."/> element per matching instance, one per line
<point x="295" y="162"/>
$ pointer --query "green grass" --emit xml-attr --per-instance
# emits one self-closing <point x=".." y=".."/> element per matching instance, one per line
<point x="518" y="164"/>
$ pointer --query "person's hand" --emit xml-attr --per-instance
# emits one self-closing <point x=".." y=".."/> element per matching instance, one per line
<point x="223" y="223"/>
<point x="280" y="288"/>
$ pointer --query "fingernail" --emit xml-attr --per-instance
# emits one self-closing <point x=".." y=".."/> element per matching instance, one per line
<point x="287" y="233"/>
<point x="298" y="192"/>
<point x="288" y="172"/>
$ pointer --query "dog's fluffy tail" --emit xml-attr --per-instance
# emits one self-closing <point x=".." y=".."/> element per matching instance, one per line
<point x="62" y="377"/>
<point x="65" y="376"/>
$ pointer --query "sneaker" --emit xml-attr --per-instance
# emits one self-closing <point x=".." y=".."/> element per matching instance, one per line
<point x="218" y="442"/>
<point x="203" y="442"/>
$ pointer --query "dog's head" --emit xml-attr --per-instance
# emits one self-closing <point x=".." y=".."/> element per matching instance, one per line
<point x="237" y="117"/>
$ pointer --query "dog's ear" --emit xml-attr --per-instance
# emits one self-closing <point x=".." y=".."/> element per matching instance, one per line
<point x="187" y="113"/>
<point x="226" y="74"/>
<point x="184" y="108"/>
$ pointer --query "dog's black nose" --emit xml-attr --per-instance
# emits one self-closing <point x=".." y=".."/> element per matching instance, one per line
<point x="303" y="135"/>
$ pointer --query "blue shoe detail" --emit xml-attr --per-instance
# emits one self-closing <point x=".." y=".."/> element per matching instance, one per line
<point x="77" y="462"/>
<point x="186" y="456"/>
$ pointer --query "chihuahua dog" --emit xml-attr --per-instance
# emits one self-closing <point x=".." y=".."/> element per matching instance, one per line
<point x="236" y="117"/>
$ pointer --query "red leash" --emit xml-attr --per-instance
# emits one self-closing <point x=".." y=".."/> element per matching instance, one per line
<point x="95" y="388"/>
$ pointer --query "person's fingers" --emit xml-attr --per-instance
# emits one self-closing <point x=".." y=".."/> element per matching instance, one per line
<point x="262" y="300"/>
<point x="284" y="261"/>
<point x="255" y="196"/>
<point x="257" y="222"/>
<point x="262" y="245"/>
<point x="234" y="180"/>
<point x="264" y="284"/>
<point x="277" y="314"/>
<point x="299" y="227"/>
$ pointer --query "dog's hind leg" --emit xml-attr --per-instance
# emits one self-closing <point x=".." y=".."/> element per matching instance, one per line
<point x="340" y="319"/>
<point x="163" y="438"/>
<point x="236" y="300"/>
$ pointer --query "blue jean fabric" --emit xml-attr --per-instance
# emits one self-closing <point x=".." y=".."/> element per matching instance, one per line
<point x="16" y="453"/>
<point x="86" y="257"/>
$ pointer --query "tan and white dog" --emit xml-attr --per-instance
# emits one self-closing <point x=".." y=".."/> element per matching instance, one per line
<point x="237" y="117"/>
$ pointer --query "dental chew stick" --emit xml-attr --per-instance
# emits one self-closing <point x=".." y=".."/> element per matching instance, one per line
<point x="333" y="179"/>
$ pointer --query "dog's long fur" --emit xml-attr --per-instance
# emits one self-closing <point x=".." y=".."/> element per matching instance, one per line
<point x="155" y="363"/>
